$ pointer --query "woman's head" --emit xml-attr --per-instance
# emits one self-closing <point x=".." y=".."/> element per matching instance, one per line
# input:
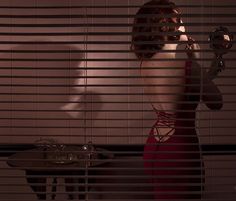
<point x="149" y="30"/>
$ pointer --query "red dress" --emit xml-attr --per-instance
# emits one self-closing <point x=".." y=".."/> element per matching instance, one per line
<point x="175" y="165"/>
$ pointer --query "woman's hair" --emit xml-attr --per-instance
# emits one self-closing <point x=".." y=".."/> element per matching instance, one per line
<point x="148" y="30"/>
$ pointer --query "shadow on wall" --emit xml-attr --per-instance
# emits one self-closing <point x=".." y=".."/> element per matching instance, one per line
<point x="39" y="97"/>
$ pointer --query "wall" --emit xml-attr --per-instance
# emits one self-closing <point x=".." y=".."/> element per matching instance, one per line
<point x="213" y="127"/>
<point x="219" y="126"/>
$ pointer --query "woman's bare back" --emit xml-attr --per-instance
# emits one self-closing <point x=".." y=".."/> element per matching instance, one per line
<point x="165" y="82"/>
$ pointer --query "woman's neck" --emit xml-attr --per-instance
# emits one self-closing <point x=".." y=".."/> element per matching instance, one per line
<point x="171" y="48"/>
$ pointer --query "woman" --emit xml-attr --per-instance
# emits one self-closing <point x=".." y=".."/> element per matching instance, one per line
<point x="172" y="152"/>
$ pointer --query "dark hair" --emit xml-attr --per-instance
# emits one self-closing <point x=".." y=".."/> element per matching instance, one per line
<point x="145" y="38"/>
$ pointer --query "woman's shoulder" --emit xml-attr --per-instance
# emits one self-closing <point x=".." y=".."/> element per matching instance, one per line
<point x="161" y="59"/>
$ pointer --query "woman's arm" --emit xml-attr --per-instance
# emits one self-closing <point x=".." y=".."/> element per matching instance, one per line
<point x="204" y="85"/>
<point x="215" y="68"/>
<point x="202" y="80"/>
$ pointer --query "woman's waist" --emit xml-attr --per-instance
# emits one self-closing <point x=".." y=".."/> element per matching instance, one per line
<point x="178" y="123"/>
<point x="177" y="116"/>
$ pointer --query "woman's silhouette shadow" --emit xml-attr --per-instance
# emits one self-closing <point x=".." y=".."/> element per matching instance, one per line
<point x="43" y="99"/>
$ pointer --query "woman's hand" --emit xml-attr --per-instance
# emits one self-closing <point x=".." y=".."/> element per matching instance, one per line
<point x="191" y="48"/>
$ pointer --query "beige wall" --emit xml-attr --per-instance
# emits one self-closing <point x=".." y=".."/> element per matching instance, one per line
<point x="216" y="131"/>
<point x="219" y="169"/>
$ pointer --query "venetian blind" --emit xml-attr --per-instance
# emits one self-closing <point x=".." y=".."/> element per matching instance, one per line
<point x="75" y="115"/>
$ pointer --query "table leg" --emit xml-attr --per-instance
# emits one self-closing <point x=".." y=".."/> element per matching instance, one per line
<point x="54" y="188"/>
<point x="72" y="187"/>
<point x="37" y="184"/>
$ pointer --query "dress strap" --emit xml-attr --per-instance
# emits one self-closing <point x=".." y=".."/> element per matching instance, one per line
<point x="188" y="65"/>
<point x="164" y="120"/>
